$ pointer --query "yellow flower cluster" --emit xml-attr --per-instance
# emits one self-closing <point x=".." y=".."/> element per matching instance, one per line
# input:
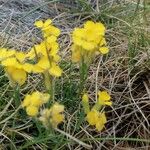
<point x="49" y="117"/>
<point x="53" y="116"/>
<point x="13" y="63"/>
<point x="47" y="28"/>
<point x="104" y="98"/>
<point x="89" y="40"/>
<point x="96" y="116"/>
<point x="44" y="56"/>
<point x="33" y="102"/>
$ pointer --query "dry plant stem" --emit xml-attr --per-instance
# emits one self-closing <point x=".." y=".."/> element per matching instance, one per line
<point x="9" y="117"/>
<point x="74" y="139"/>
<point x="12" y="144"/>
<point x="119" y="139"/>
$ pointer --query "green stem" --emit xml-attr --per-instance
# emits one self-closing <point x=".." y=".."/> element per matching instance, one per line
<point x="47" y="81"/>
<point x="16" y="95"/>
<point x="97" y="106"/>
<point x="83" y="75"/>
<point x="52" y="89"/>
<point x="51" y="78"/>
<point x="49" y="85"/>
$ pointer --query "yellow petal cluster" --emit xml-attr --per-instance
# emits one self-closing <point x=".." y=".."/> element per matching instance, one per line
<point x="96" y="116"/>
<point x="15" y="75"/>
<point x="47" y="28"/>
<point x="40" y="58"/>
<point x="13" y="66"/>
<point x="104" y="98"/>
<point x="53" y="116"/>
<point x="88" y="40"/>
<point x="4" y="53"/>
<point x="97" y="119"/>
<point x="32" y="102"/>
<point x="47" y="51"/>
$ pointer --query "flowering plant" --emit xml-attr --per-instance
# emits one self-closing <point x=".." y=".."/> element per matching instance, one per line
<point x="43" y="59"/>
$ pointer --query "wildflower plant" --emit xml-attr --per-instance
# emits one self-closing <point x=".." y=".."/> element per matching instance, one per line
<point x="95" y="116"/>
<point x="43" y="58"/>
<point x="88" y="42"/>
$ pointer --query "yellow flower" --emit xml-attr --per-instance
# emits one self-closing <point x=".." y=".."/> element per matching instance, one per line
<point x="16" y="75"/>
<point x="47" y="28"/>
<point x="51" y="39"/>
<point x="37" y="69"/>
<point x="89" y="36"/>
<point x="56" y="119"/>
<point x="32" y="111"/>
<point x="76" y="54"/>
<point x="92" y="117"/>
<point x="28" y="67"/>
<point x="102" y="42"/>
<point x="43" y="63"/>
<point x="31" y="53"/>
<point x="27" y="101"/>
<point x="45" y="48"/>
<point x="104" y="98"/>
<point x="51" y="30"/>
<point x="57" y="108"/>
<point x="85" y="103"/>
<point x="56" y="58"/>
<point x="104" y="50"/>
<point x="14" y="71"/>
<point x="42" y="24"/>
<point x="55" y="70"/>
<point x="96" y="118"/>
<point x="45" y="97"/>
<point x="88" y="45"/>
<point x="97" y="28"/>
<point x="53" y="116"/>
<point x="56" y="114"/>
<point x="4" y="53"/>
<point x="44" y="118"/>
<point x="88" y="41"/>
<point x="21" y="56"/>
<point x="11" y="62"/>
<point x="47" y="57"/>
<point x="101" y="121"/>
<point x="34" y="101"/>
